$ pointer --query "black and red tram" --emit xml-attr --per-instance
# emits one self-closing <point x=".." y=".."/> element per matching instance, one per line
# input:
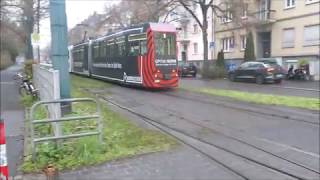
<point x="142" y="55"/>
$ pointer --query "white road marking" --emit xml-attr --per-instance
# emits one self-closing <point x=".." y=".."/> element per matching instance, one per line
<point x="8" y="83"/>
<point x="290" y="147"/>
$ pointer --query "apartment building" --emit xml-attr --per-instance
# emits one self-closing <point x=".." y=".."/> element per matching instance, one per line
<point x="189" y="34"/>
<point x="286" y="30"/>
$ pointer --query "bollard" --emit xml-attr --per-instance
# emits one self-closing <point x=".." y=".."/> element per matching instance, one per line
<point x="51" y="172"/>
<point x="3" y="153"/>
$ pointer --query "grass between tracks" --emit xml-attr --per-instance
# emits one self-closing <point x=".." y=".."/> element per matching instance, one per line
<point x="289" y="101"/>
<point x="121" y="138"/>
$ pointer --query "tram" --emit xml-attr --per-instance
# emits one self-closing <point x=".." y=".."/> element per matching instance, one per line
<point x="143" y="55"/>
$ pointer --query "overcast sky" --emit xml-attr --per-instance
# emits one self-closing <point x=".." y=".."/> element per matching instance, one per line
<point x="77" y="11"/>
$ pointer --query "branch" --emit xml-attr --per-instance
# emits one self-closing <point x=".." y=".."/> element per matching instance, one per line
<point x="191" y="12"/>
<point x="168" y="13"/>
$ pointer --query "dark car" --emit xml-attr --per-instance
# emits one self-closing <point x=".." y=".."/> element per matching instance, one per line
<point x="186" y="69"/>
<point x="260" y="72"/>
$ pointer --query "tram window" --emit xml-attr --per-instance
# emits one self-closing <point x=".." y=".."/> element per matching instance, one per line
<point x="134" y="48"/>
<point x="74" y="54"/>
<point x="115" y="52"/>
<point x="165" y="44"/>
<point x="109" y="48"/>
<point x="102" y="46"/>
<point x="122" y="49"/>
<point x="120" y="42"/>
<point x="81" y="54"/>
<point x="143" y="47"/>
<point x="95" y="51"/>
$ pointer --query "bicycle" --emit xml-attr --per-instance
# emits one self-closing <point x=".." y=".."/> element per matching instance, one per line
<point x="26" y="87"/>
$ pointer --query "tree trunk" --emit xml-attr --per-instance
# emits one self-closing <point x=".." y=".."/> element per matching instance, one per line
<point x="28" y="25"/>
<point x="205" y="48"/>
<point x="29" y="48"/>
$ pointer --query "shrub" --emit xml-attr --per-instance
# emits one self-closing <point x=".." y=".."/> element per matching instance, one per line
<point x="220" y="60"/>
<point x="249" y="51"/>
<point x="215" y="72"/>
<point x="302" y="62"/>
<point x="28" y="68"/>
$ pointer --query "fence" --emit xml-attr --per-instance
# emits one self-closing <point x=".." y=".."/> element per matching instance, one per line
<point x="46" y="80"/>
<point x="59" y="135"/>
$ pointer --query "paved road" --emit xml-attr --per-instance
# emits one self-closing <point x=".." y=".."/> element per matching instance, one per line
<point x="288" y="88"/>
<point x="13" y="114"/>
<point x="282" y="138"/>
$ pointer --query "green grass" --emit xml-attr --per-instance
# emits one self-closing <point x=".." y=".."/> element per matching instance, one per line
<point x="121" y="137"/>
<point x="289" y="101"/>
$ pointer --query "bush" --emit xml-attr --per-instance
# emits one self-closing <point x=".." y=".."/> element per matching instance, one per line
<point x="302" y="62"/>
<point x="249" y="51"/>
<point x="28" y="68"/>
<point x="215" y="72"/>
<point x="220" y="60"/>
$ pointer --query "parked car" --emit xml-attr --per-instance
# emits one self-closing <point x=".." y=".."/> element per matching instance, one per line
<point x="260" y="72"/>
<point x="186" y="69"/>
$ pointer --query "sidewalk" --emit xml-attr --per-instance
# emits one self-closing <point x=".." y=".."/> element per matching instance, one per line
<point x="180" y="163"/>
<point x="13" y="114"/>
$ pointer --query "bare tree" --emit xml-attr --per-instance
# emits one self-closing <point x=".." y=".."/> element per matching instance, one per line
<point x="204" y="5"/>
<point x="221" y="10"/>
<point x="26" y="13"/>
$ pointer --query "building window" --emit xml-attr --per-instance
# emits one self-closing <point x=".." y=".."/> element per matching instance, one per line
<point x="243" y="42"/>
<point x="195" y="28"/>
<point x="244" y="13"/>
<point x="185" y="33"/>
<point x="227" y="17"/>
<point x="288" y="38"/>
<point x="227" y="44"/>
<point x="290" y="3"/>
<point x="195" y="48"/>
<point x="311" y="1"/>
<point x="311" y="35"/>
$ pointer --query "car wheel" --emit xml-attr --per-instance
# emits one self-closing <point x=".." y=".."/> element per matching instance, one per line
<point x="259" y="79"/>
<point x="232" y="77"/>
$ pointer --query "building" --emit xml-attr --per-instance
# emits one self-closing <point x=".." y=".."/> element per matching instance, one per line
<point x="287" y="30"/>
<point x="189" y="34"/>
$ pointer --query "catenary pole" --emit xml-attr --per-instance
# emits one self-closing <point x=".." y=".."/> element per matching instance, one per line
<point x="59" y="44"/>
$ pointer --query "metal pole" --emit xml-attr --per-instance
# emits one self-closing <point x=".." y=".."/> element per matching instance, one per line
<point x="59" y="44"/>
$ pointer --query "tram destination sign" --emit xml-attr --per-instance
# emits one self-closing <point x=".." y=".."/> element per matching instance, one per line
<point x="166" y="62"/>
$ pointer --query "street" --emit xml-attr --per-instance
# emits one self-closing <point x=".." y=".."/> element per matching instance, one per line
<point x="221" y="138"/>
<point x="13" y="114"/>
<point x="287" y="88"/>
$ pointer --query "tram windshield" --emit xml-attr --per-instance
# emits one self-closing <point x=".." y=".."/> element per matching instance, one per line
<point x="165" y="45"/>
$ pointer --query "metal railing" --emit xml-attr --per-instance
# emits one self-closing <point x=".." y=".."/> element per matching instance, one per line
<point x="56" y="121"/>
<point x="264" y="15"/>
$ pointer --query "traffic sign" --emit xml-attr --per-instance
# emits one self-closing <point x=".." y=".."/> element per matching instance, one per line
<point x="35" y="38"/>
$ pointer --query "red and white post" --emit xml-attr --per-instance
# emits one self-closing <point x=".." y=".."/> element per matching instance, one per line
<point x="3" y="153"/>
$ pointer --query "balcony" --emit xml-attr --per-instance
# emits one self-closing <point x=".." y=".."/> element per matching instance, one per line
<point x="264" y="17"/>
<point x="183" y="37"/>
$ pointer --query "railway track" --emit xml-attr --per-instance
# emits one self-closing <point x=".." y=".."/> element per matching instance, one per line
<point x="162" y="127"/>
<point x="220" y="133"/>
<point x="219" y="103"/>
